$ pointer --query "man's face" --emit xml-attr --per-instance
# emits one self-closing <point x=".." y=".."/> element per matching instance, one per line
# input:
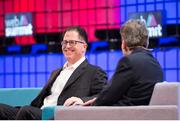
<point x="73" y="47"/>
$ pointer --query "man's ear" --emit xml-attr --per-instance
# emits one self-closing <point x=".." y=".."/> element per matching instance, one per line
<point x="85" y="48"/>
<point x="124" y="48"/>
<point x="123" y="45"/>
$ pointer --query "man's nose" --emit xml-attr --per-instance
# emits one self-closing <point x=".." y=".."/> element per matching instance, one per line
<point x="68" y="44"/>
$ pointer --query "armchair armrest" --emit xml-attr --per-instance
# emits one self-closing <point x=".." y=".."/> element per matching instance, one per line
<point x="117" y="113"/>
<point x="48" y="112"/>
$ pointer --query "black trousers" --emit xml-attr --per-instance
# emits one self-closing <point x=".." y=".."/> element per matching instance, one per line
<point x="22" y="113"/>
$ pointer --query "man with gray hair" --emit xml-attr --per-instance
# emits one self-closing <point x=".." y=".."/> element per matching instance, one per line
<point x="136" y="73"/>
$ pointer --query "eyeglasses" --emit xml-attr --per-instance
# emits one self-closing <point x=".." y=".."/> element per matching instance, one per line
<point x="71" y="42"/>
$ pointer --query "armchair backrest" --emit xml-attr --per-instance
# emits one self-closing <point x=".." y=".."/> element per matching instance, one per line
<point x="166" y="93"/>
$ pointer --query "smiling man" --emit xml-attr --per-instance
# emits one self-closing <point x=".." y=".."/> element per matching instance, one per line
<point x="77" y="78"/>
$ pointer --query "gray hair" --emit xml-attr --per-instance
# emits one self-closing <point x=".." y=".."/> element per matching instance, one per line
<point x="135" y="34"/>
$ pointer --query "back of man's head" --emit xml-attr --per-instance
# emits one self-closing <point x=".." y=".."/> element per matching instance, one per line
<point x="135" y="34"/>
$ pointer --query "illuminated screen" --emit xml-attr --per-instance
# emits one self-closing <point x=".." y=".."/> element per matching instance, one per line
<point x="153" y="22"/>
<point x="18" y="24"/>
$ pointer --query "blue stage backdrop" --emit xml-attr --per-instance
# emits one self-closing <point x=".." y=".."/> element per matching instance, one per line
<point x="34" y="70"/>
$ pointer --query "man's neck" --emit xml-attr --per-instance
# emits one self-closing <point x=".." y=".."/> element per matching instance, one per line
<point x="72" y="62"/>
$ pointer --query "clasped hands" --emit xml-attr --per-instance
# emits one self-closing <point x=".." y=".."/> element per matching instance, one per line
<point x="72" y="101"/>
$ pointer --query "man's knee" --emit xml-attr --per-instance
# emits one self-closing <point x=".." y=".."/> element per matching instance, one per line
<point x="25" y="108"/>
<point x="28" y="112"/>
<point x="23" y="112"/>
<point x="7" y="112"/>
<point x="2" y="106"/>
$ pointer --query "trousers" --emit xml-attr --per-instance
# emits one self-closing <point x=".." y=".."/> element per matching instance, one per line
<point x="8" y="112"/>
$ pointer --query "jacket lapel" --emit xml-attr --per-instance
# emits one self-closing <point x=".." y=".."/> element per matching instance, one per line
<point x="52" y="80"/>
<point x="79" y="70"/>
<point x="54" y="76"/>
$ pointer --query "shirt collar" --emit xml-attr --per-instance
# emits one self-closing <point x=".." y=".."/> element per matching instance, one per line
<point x="75" y="65"/>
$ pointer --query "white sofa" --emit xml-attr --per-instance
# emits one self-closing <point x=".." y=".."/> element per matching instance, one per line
<point x="164" y="105"/>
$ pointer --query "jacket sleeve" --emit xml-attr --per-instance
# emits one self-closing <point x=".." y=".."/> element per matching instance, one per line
<point x="98" y="82"/>
<point x="120" y="82"/>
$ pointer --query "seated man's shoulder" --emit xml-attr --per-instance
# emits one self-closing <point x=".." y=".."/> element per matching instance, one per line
<point x="94" y="67"/>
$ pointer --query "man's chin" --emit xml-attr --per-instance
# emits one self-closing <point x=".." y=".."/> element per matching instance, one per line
<point x="68" y="57"/>
<point x="68" y="53"/>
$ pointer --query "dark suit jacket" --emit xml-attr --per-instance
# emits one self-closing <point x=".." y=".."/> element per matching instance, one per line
<point x="85" y="82"/>
<point x="133" y="81"/>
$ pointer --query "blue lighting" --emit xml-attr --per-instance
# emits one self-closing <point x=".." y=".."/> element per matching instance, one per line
<point x="34" y="70"/>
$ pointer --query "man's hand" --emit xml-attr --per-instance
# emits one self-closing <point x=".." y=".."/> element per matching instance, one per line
<point x="73" y="101"/>
<point x="89" y="102"/>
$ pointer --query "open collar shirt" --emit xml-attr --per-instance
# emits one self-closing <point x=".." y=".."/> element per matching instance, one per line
<point x="60" y="82"/>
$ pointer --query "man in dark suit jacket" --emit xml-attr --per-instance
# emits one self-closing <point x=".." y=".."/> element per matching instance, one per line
<point x="77" y="78"/>
<point x="86" y="82"/>
<point x="136" y="73"/>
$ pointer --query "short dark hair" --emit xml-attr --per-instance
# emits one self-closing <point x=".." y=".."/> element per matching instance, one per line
<point x="82" y="33"/>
